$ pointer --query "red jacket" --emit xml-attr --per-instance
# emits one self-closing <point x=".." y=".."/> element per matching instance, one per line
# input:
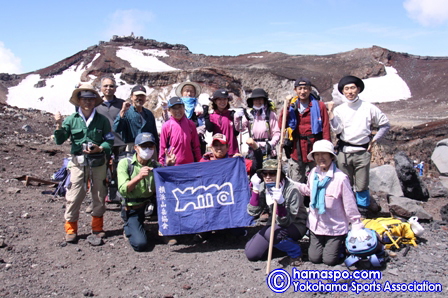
<point x="304" y="129"/>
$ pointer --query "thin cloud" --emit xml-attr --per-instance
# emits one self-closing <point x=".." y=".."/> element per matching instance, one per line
<point x="427" y="12"/>
<point x="125" y="22"/>
<point x="381" y="31"/>
<point x="9" y="63"/>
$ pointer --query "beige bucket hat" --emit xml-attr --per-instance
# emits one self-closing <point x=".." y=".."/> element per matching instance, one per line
<point x="85" y="87"/>
<point x="321" y="146"/>
<point x="195" y="85"/>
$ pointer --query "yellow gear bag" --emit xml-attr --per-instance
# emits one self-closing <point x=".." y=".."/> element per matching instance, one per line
<point x="392" y="230"/>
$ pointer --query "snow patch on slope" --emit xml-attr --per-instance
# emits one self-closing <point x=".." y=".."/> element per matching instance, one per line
<point x="145" y="60"/>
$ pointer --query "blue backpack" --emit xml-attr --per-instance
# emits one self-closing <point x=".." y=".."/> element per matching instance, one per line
<point x="62" y="175"/>
<point x="371" y="249"/>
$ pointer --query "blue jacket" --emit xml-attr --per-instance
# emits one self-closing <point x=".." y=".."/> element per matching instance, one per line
<point x="133" y="123"/>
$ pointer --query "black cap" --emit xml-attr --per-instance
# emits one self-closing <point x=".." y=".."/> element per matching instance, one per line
<point x="139" y="89"/>
<point x="350" y="80"/>
<point x="302" y="82"/>
<point x="175" y="101"/>
<point x="257" y="93"/>
<point x="220" y="93"/>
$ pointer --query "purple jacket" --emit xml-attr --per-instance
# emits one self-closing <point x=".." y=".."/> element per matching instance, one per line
<point x="182" y="135"/>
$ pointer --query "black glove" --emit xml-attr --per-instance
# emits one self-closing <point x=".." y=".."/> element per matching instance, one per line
<point x="205" y="108"/>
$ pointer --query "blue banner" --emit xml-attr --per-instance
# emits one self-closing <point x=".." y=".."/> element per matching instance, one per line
<point x="202" y="196"/>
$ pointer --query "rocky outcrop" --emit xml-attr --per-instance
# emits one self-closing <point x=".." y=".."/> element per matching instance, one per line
<point x="411" y="184"/>
<point x="385" y="179"/>
<point x="406" y="208"/>
<point x="440" y="157"/>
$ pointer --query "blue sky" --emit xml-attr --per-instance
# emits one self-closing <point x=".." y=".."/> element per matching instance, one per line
<point x="36" y="34"/>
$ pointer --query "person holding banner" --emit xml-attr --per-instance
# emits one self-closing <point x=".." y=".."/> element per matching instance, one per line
<point x="222" y="119"/>
<point x="291" y="215"/>
<point x="136" y="186"/>
<point x="220" y="148"/>
<point x="332" y="207"/>
<point x="179" y="135"/>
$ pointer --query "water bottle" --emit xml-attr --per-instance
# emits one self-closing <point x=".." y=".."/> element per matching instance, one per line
<point x="416" y="226"/>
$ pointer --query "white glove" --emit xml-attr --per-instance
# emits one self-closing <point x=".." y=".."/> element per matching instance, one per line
<point x="255" y="183"/>
<point x="198" y="110"/>
<point x="360" y="234"/>
<point x="239" y="113"/>
<point x="200" y="130"/>
<point x="277" y="195"/>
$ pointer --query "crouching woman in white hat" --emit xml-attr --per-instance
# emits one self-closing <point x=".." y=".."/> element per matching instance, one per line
<point x="332" y="208"/>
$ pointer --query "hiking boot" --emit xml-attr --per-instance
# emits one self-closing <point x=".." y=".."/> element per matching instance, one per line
<point x="170" y="240"/>
<point x="100" y="234"/>
<point x="288" y="261"/>
<point x="70" y="238"/>
<point x="89" y="208"/>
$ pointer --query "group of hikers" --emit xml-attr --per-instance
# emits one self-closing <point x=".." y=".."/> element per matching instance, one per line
<point x="335" y="179"/>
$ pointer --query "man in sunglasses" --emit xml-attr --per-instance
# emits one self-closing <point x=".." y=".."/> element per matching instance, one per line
<point x="110" y="107"/>
<point x="291" y="215"/>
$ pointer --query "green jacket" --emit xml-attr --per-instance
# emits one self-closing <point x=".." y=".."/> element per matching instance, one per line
<point x="75" y="128"/>
<point x="145" y="188"/>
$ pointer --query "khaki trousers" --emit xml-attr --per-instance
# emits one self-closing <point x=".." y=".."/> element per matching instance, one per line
<point x="357" y="167"/>
<point x="297" y="169"/>
<point x="76" y="193"/>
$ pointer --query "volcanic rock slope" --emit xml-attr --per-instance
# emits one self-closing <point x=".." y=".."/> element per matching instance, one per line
<point x="426" y="77"/>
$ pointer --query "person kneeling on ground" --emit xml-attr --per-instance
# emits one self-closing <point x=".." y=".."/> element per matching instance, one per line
<point x="332" y="208"/>
<point x="291" y="215"/>
<point x="136" y="186"/>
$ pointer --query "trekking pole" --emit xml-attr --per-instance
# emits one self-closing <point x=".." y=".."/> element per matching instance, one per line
<point x="241" y="135"/>
<point x="277" y="182"/>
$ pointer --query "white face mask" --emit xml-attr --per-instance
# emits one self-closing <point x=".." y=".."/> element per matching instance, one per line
<point x="145" y="154"/>
<point x="259" y="108"/>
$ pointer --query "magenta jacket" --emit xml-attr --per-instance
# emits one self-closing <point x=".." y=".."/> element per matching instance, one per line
<point x="224" y="124"/>
<point x="182" y="135"/>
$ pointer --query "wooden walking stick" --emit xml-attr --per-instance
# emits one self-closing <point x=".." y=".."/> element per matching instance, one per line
<point x="277" y="182"/>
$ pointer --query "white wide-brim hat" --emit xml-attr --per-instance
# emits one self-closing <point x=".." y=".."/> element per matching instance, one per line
<point x="195" y="85"/>
<point x="85" y="87"/>
<point x="322" y="146"/>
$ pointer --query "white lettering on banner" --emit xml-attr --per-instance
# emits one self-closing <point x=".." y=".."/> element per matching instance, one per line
<point x="204" y="198"/>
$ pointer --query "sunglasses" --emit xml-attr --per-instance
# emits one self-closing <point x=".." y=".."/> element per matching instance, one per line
<point x="269" y="173"/>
